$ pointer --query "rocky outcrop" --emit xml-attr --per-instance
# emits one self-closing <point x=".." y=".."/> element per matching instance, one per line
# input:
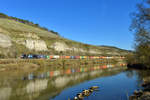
<point x="5" y="41"/>
<point x="58" y="46"/>
<point x="94" y="52"/>
<point x="37" y="45"/>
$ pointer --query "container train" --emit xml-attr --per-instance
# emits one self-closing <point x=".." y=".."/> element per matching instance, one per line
<point x="35" y="56"/>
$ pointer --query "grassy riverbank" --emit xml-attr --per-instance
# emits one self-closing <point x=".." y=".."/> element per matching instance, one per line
<point x="144" y="92"/>
<point x="34" y="64"/>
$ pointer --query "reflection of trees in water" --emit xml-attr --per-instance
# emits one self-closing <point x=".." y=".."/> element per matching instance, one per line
<point x="140" y="74"/>
<point x="133" y="73"/>
<point x="61" y="81"/>
<point x="95" y="72"/>
<point x="36" y="86"/>
<point x="69" y="80"/>
<point x="46" y="87"/>
<point x="143" y="75"/>
<point x="5" y="93"/>
<point x="23" y="90"/>
<point x="129" y="73"/>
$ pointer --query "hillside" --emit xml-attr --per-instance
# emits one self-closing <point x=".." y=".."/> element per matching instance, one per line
<point x="19" y="36"/>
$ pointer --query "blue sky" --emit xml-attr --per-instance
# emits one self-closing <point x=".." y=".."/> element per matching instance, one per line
<point x="97" y="22"/>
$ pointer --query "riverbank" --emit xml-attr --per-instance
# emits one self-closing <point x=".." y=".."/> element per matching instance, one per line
<point x="137" y="66"/>
<point x="34" y="64"/>
<point x="144" y="92"/>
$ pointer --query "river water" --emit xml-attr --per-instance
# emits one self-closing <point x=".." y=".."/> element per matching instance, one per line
<point x="115" y="83"/>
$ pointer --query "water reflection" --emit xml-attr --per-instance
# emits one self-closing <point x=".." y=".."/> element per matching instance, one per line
<point x="36" y="86"/>
<point x="44" y="85"/>
<point x="52" y="74"/>
<point x="5" y="93"/>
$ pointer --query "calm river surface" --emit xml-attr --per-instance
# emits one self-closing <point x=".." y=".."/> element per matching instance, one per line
<point x="115" y="82"/>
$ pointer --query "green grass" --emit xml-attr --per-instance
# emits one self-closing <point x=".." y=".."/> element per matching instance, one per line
<point x="19" y="28"/>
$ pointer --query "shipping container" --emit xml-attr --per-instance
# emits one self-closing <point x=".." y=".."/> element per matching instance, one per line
<point x="81" y="69"/>
<point x="85" y="57"/>
<point x="81" y="57"/>
<point x="48" y="57"/>
<point x="56" y="56"/>
<point x="51" y="57"/>
<point x="68" y="71"/>
<point x="77" y="57"/>
<point x="67" y="57"/>
<point x="72" y="57"/>
<point x="51" y="73"/>
<point x="104" y="66"/>
<point x="30" y="56"/>
<point x="62" y="57"/>
<point x="47" y="74"/>
<point x="104" y="57"/>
